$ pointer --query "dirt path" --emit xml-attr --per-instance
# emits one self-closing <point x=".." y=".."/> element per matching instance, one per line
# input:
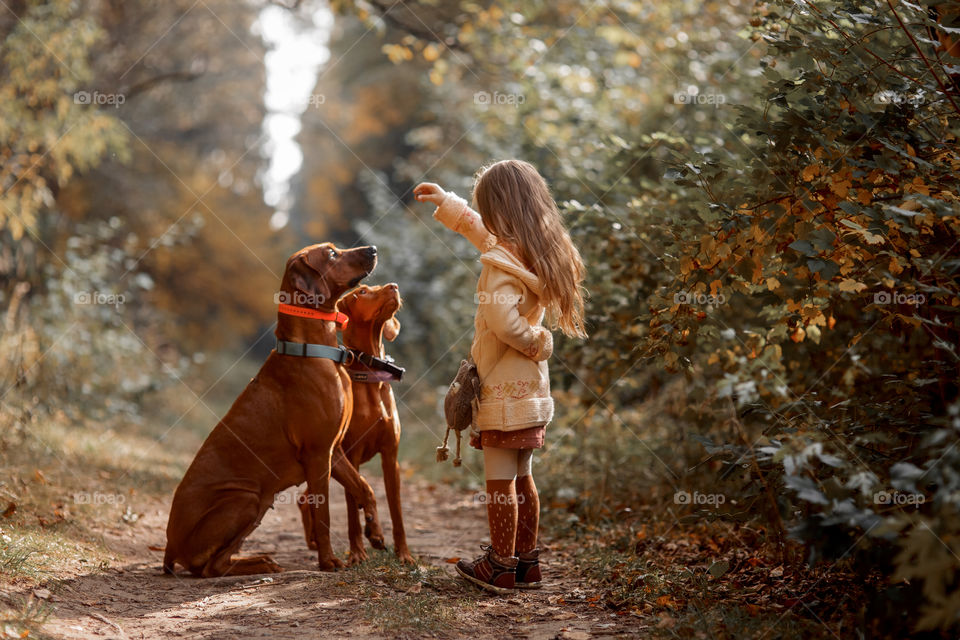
<point x="378" y="599"/>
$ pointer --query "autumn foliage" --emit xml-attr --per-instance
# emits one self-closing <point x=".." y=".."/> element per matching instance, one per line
<point x="773" y="264"/>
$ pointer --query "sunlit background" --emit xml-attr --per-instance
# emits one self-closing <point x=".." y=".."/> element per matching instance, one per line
<point x="758" y="438"/>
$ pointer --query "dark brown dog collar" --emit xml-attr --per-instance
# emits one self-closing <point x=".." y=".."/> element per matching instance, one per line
<point x="369" y="368"/>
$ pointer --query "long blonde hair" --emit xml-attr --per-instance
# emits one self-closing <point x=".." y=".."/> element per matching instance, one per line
<point x="516" y="206"/>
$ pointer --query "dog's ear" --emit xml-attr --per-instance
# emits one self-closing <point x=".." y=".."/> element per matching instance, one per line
<point x="312" y="282"/>
<point x="343" y="305"/>
<point x="391" y="329"/>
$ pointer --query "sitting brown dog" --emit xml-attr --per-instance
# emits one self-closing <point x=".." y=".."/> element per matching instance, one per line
<point x="374" y="426"/>
<point x="281" y="431"/>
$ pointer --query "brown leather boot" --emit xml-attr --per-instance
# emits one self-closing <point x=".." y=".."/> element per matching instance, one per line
<point x="528" y="570"/>
<point x="490" y="571"/>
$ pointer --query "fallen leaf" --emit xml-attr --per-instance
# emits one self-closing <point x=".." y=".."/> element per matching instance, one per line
<point x="717" y="569"/>
<point x="454" y="560"/>
<point x="10" y="509"/>
<point x="665" y="601"/>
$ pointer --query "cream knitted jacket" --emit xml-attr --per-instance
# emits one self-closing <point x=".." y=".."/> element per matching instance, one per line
<point x="510" y="346"/>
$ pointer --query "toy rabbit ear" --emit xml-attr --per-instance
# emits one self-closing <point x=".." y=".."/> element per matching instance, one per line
<point x="391" y="329"/>
<point x="476" y="386"/>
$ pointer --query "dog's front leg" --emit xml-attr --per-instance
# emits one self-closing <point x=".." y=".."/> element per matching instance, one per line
<point x="359" y="489"/>
<point x="318" y="491"/>
<point x="391" y="480"/>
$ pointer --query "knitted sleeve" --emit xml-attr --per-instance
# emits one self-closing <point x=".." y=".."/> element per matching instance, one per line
<point x="504" y="320"/>
<point x="454" y="213"/>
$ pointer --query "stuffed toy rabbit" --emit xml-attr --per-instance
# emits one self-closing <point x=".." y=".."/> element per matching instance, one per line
<point x="458" y="406"/>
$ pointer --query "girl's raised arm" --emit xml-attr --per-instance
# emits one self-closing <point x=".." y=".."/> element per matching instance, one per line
<point x="455" y="214"/>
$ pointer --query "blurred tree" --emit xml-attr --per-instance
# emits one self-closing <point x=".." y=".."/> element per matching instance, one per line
<point x="193" y="81"/>
<point x="131" y="138"/>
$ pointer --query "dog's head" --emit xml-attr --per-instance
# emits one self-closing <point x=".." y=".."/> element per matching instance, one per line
<point x="373" y="307"/>
<point x="316" y="276"/>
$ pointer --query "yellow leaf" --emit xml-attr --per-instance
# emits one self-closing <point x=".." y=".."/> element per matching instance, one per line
<point x="707" y="244"/>
<point x="773" y="284"/>
<point x="431" y="52"/>
<point x="809" y="173"/>
<point x="841" y="187"/>
<point x="850" y="285"/>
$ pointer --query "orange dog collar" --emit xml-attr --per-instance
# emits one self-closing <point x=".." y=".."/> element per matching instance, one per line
<point x="314" y="314"/>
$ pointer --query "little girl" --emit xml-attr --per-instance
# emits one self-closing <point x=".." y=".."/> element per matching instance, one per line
<point x="530" y="268"/>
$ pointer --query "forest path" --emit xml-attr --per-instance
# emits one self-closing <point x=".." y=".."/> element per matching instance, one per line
<point x="380" y="598"/>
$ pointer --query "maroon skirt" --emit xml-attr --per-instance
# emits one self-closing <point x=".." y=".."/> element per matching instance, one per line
<point x="529" y="438"/>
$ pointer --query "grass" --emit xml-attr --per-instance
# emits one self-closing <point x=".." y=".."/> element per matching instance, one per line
<point x="24" y="617"/>
<point x="15" y="559"/>
<point x="398" y="598"/>
<point x="64" y="478"/>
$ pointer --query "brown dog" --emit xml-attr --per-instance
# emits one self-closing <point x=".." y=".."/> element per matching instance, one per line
<point x="375" y="426"/>
<point x="281" y="431"/>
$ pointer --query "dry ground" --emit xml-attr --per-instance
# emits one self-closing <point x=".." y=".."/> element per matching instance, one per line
<point x="130" y="598"/>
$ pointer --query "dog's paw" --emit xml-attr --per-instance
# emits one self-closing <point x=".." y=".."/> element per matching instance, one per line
<point x="374" y="534"/>
<point x="406" y="558"/>
<point x="331" y="564"/>
<point x="271" y="566"/>
<point x="357" y="556"/>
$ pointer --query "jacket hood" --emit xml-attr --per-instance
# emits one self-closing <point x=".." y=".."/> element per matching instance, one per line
<point x="506" y="261"/>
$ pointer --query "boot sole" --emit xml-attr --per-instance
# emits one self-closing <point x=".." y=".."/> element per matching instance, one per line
<point x="486" y="586"/>
<point x="529" y="585"/>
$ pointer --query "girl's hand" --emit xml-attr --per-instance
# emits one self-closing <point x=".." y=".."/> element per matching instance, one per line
<point x="429" y="192"/>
